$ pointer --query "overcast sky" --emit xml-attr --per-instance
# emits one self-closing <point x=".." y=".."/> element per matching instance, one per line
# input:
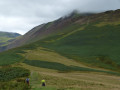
<point x="22" y="15"/>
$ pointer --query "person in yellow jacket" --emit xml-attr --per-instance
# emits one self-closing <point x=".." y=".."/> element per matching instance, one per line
<point x="43" y="82"/>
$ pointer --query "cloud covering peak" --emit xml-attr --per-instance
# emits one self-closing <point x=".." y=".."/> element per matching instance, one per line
<point x="22" y="15"/>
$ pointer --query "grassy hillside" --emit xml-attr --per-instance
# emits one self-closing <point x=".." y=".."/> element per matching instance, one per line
<point x="61" y="72"/>
<point x="82" y="54"/>
<point x="45" y="30"/>
<point x="98" y="46"/>
<point x="6" y="38"/>
<point x="8" y="34"/>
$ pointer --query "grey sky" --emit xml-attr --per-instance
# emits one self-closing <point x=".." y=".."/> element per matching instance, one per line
<point x="22" y="15"/>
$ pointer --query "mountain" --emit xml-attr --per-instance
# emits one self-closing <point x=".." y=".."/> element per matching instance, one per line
<point x="87" y="38"/>
<point x="7" y="37"/>
<point x="74" y="20"/>
<point x="9" y="34"/>
<point x="78" y="51"/>
<point x="45" y="30"/>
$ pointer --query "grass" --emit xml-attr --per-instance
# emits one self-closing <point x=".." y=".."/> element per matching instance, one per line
<point x="73" y="81"/>
<point x="63" y="68"/>
<point x="13" y="78"/>
<point x="84" y="43"/>
<point x="44" y="54"/>
<point x="5" y="38"/>
<point x="10" y="57"/>
<point x="101" y="24"/>
<point x="86" y="46"/>
<point x="4" y="41"/>
<point x="45" y="88"/>
<point x="36" y="82"/>
<point x="7" y="74"/>
<point x="61" y="60"/>
<point x="13" y="85"/>
<point x="89" y="44"/>
<point x="56" y="66"/>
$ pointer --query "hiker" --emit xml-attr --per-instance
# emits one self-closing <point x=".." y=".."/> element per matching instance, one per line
<point x="43" y="82"/>
<point x="27" y="81"/>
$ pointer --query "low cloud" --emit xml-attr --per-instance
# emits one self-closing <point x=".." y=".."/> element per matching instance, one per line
<point x="22" y="15"/>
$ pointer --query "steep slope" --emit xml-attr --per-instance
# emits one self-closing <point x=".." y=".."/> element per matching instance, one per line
<point x="25" y="39"/>
<point x="94" y="43"/>
<point x="66" y="24"/>
<point x="45" y="30"/>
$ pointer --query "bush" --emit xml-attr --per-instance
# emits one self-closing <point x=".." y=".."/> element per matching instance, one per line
<point x="14" y="86"/>
<point x="7" y="74"/>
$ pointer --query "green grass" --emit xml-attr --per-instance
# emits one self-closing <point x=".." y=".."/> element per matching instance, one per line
<point x="13" y="78"/>
<point x="5" y="38"/>
<point x="86" y="46"/>
<point x="10" y="57"/>
<point x="13" y="86"/>
<point x="4" y="41"/>
<point x="52" y="82"/>
<point x="7" y="74"/>
<point x="73" y="81"/>
<point x="89" y="44"/>
<point x="45" y="88"/>
<point x="9" y="35"/>
<point x="63" y="68"/>
<point x="55" y="66"/>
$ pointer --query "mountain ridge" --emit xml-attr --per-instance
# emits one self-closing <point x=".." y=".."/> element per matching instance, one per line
<point x="46" y="30"/>
<point x="9" y="34"/>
